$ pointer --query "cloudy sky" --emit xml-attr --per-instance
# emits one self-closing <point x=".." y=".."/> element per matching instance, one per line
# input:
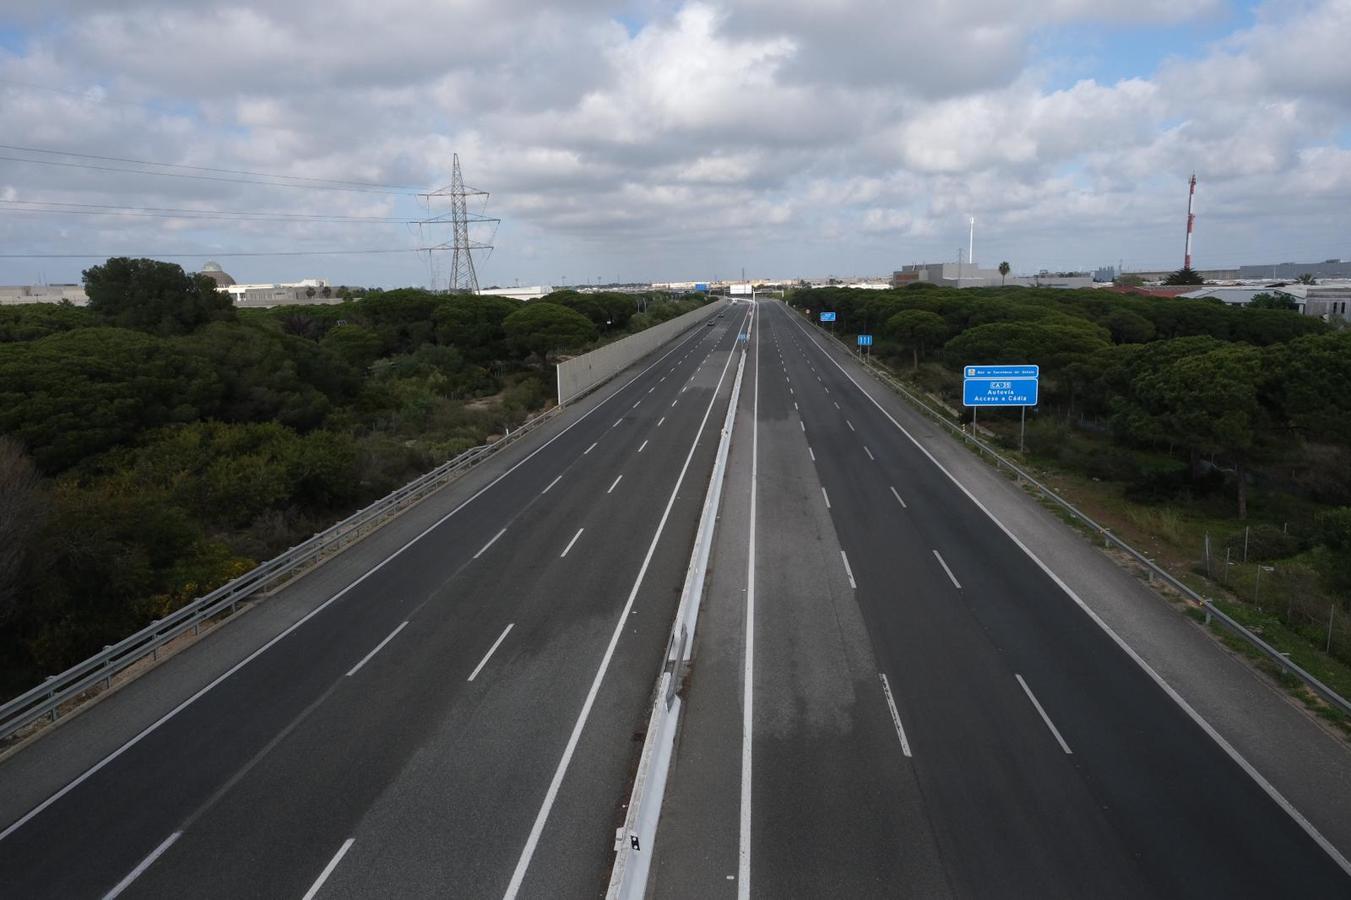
<point x="652" y="140"/>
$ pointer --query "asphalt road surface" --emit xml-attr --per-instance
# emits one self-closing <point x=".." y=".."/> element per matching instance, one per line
<point x="457" y="723"/>
<point x="930" y="713"/>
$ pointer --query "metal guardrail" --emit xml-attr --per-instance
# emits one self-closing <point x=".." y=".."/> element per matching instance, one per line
<point x="45" y="700"/>
<point x="1152" y="569"/>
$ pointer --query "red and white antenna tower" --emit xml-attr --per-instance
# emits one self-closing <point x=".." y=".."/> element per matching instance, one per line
<point x="1191" y="222"/>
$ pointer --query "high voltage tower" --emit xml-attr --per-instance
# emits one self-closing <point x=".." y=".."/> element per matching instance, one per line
<point x="463" y="278"/>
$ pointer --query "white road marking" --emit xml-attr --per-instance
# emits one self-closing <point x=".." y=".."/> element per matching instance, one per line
<point x="635" y="405"/>
<point x="938" y="556"/>
<point x="895" y="716"/>
<point x="585" y="452"/>
<point x="674" y="402"/>
<point x="748" y="678"/>
<point x="651" y="389"/>
<point x="557" y="479"/>
<point x="803" y="424"/>
<point x="212" y="685"/>
<point x="848" y="571"/>
<point x="837" y="403"/>
<point x="485" y="547"/>
<point x="659" y="421"/>
<point x="143" y="865"/>
<point x="614" y="484"/>
<point x="328" y="869"/>
<point x="898" y="499"/>
<point x="641" y="446"/>
<point x="795" y="404"/>
<point x="1045" y="718"/>
<point x="378" y="647"/>
<point x="532" y="840"/>
<point x="825" y="495"/>
<point x="869" y="452"/>
<point x="812" y="452"/>
<point x="850" y="424"/>
<point x="571" y="542"/>
<point x="491" y="650"/>
<point x="616" y="424"/>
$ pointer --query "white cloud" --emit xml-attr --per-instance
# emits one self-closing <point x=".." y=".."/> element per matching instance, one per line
<point x="657" y="139"/>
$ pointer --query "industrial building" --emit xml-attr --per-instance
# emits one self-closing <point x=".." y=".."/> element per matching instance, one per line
<point x="16" y="294"/>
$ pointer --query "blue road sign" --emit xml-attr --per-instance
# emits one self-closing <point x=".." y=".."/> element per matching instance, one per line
<point x="827" y="317"/>
<point x="1000" y="385"/>
<point x="865" y="340"/>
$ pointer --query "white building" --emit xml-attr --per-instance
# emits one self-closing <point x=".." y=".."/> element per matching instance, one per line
<point x="16" y="294"/>
<point x="518" y="293"/>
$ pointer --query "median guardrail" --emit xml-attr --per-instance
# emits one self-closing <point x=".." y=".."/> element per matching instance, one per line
<point x="45" y="700"/>
<point x="1152" y="569"/>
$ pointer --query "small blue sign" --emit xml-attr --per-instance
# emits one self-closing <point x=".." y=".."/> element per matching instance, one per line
<point x="865" y="340"/>
<point x="1000" y="385"/>
<point x="827" y="317"/>
<point x="743" y="337"/>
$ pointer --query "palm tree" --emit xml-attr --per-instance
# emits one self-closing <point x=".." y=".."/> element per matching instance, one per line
<point x="1003" y="272"/>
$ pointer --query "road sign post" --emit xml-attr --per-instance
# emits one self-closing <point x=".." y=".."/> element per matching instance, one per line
<point x="865" y="342"/>
<point x="1001" y="386"/>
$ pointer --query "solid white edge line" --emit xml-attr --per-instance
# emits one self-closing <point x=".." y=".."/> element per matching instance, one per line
<point x="895" y="715"/>
<point x="898" y="498"/>
<point x="847" y="570"/>
<point x="141" y="735"/>
<point x="942" y="562"/>
<point x="614" y="483"/>
<point x="1045" y="718"/>
<point x="142" y="866"/>
<point x="532" y="840"/>
<point x="491" y="650"/>
<point x="826" y="496"/>
<point x="484" y="548"/>
<point x="748" y="676"/>
<point x="1267" y="787"/>
<point x="378" y="647"/>
<point x="328" y="869"/>
<point x="571" y="542"/>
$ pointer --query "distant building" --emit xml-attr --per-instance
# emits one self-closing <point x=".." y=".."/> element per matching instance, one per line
<point x="518" y="293"/>
<point x="16" y="294"/>
<point x="213" y="271"/>
<point x="949" y="274"/>
<point x="1105" y="274"/>
<point x="308" y="291"/>
<point x="1328" y="268"/>
<point x="1240" y="296"/>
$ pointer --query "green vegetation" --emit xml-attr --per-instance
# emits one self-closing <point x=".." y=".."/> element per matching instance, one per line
<point x="1181" y="424"/>
<point x="159" y="442"/>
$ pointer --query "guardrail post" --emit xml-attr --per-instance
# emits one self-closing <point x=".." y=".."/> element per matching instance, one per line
<point x="1106" y="538"/>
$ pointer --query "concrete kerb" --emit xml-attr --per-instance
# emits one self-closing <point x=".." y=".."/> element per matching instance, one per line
<point x="634" y="840"/>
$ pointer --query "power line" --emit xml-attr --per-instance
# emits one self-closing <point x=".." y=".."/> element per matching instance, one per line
<point x="216" y="255"/>
<point x="312" y="187"/>
<point x="224" y="215"/>
<point x="146" y="162"/>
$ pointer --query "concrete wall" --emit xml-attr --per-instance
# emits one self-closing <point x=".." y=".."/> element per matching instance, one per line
<point x="582" y="373"/>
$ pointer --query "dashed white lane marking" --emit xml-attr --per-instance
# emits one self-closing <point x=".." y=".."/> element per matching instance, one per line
<point x="813" y="453"/>
<point x="142" y="866"/>
<point x="869" y="452"/>
<point x="328" y="869"/>
<point x="659" y="421"/>
<point x="957" y="584"/>
<point x="584" y="453"/>
<point x="614" y="484"/>
<point x="484" y="548"/>
<point x="1045" y="718"/>
<point x="378" y="647"/>
<point x="616" y="424"/>
<point x="850" y="424"/>
<point x="558" y="478"/>
<point x="803" y="424"/>
<point x="848" y="571"/>
<point x="898" y="498"/>
<point x="640" y="448"/>
<point x="491" y="650"/>
<point x="571" y="542"/>
<point x="895" y="716"/>
<point x="826" y="496"/>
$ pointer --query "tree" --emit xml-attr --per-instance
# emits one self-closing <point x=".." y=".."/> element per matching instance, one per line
<point x="547" y="328"/>
<point x="918" y="330"/>
<point x="153" y="296"/>
<point x="1184" y="275"/>
<point x="357" y="346"/>
<point x="1306" y="278"/>
<point x="22" y="509"/>
<point x="1004" y="268"/>
<point x="1273" y="300"/>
